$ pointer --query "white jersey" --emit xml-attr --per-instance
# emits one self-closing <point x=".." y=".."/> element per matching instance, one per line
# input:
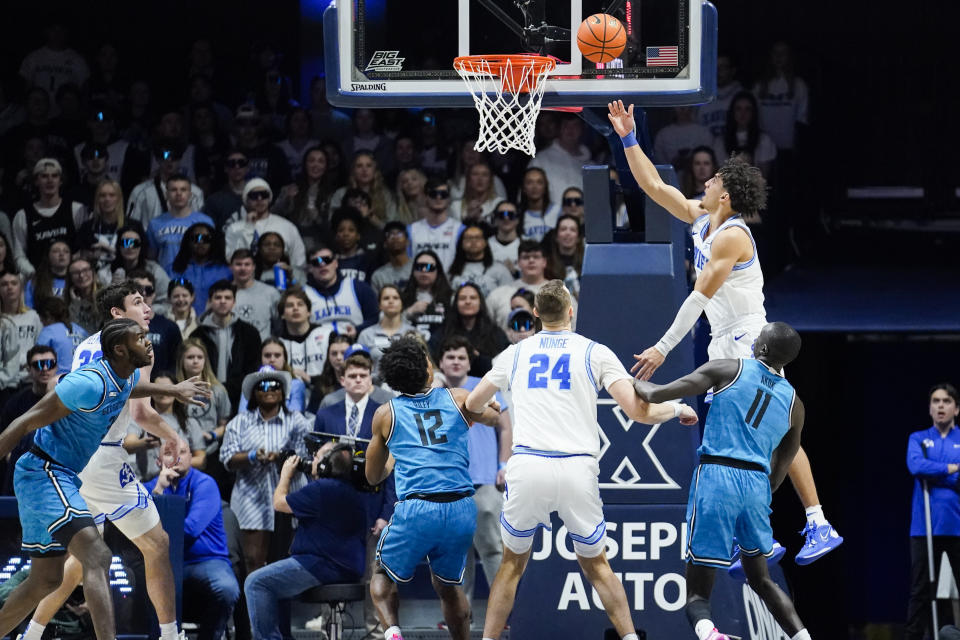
<point x="442" y="239"/>
<point x="554" y="378"/>
<point x="739" y="300"/>
<point x="88" y="351"/>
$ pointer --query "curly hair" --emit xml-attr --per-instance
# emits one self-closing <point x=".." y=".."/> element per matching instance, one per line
<point x="745" y="184"/>
<point x="403" y="366"/>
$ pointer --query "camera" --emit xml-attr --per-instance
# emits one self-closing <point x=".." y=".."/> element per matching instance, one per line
<point x="356" y="475"/>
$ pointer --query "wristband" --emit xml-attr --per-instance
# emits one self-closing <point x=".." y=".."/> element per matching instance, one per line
<point x="501" y="465"/>
<point x="252" y="456"/>
<point x="677" y="408"/>
<point x="212" y="434"/>
<point x="629" y="140"/>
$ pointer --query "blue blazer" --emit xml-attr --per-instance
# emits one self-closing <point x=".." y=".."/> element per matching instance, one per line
<point x="333" y="419"/>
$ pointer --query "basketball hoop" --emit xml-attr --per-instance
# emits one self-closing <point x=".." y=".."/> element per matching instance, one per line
<point x="507" y="91"/>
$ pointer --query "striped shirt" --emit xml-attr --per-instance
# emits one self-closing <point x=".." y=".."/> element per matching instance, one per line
<point x="252" y="498"/>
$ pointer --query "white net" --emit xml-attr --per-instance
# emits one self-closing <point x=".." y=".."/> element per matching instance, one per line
<point x="507" y="91"/>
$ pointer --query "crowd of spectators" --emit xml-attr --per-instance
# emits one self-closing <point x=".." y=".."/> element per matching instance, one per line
<point x="296" y="237"/>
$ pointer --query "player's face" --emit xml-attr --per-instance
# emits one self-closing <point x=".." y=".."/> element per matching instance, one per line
<point x="356" y="381"/>
<point x="943" y="408"/>
<point x="193" y="361"/>
<point x="455" y="363"/>
<point x="135" y="308"/>
<point x="139" y="348"/>
<point x="272" y="354"/>
<point x="295" y="310"/>
<point x="242" y="269"/>
<point x="713" y="191"/>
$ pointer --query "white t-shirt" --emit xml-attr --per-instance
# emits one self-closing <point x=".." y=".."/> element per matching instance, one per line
<point x="50" y="69"/>
<point x="780" y="113"/>
<point x="442" y="239"/>
<point x="554" y="378"/>
<point x="243" y="234"/>
<point x="678" y="140"/>
<point x="766" y="151"/>
<point x="504" y="252"/>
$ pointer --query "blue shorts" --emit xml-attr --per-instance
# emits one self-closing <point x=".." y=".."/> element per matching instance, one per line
<point x="724" y="503"/>
<point x="50" y="505"/>
<point x="441" y="532"/>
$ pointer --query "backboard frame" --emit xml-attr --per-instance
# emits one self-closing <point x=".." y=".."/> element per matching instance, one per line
<point x="698" y="88"/>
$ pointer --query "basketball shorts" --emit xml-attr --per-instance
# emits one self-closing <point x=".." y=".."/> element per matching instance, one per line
<point x="50" y="505"/>
<point x="538" y="485"/>
<point x="441" y="532"/>
<point x="112" y="491"/>
<point x="734" y="344"/>
<point x="725" y="503"/>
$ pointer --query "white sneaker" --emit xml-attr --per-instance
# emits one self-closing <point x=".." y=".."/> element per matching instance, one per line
<point x="314" y="624"/>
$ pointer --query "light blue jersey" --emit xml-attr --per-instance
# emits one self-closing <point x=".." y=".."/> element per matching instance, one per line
<point x="428" y="440"/>
<point x="95" y="395"/>
<point x="749" y="416"/>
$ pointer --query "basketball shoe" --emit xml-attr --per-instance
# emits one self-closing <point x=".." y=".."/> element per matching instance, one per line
<point x="736" y="569"/>
<point x="819" y="541"/>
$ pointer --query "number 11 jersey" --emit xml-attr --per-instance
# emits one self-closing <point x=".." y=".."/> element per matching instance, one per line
<point x="554" y="378"/>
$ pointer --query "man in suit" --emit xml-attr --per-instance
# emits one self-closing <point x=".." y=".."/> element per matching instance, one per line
<point x="352" y="418"/>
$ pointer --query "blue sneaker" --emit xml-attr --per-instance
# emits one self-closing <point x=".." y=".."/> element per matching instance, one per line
<point x="736" y="569"/>
<point x="820" y="540"/>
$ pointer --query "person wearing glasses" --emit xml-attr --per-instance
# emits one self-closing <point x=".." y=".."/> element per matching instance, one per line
<point x="563" y="160"/>
<point x="571" y="204"/>
<point x="426" y="298"/>
<point x="201" y="261"/>
<point x="437" y="230"/>
<point x="251" y="445"/>
<point x="348" y="305"/>
<point x="165" y="233"/>
<point x="80" y="294"/>
<point x="507" y="220"/>
<point x="151" y="198"/>
<point x="243" y="234"/>
<point x="41" y="371"/>
<point x="227" y="203"/>
<point x="399" y="265"/>
<point x="131" y="255"/>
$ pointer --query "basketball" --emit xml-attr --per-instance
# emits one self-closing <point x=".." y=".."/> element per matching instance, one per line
<point x="601" y="38"/>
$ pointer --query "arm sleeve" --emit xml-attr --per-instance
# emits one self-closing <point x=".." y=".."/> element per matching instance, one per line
<point x="204" y="505"/>
<point x="81" y="390"/>
<point x="918" y="464"/>
<point x="605" y="365"/>
<point x="687" y="316"/>
<point x="499" y="373"/>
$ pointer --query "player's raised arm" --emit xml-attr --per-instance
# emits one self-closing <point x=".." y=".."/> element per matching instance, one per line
<point x="186" y="392"/>
<point x="715" y="373"/>
<point x="487" y="412"/>
<point x="785" y="452"/>
<point x="667" y="196"/>
<point x="379" y="461"/>
<point x="47" y="411"/>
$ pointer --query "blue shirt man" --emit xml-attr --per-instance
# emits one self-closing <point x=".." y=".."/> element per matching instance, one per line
<point x="165" y="233"/>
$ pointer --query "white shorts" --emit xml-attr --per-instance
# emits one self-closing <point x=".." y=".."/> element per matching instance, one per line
<point x="539" y="485"/>
<point x="734" y="344"/>
<point x="112" y="492"/>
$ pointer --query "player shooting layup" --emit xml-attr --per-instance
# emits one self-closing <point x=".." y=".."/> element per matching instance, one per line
<point x="729" y="287"/>
<point x="555" y="377"/>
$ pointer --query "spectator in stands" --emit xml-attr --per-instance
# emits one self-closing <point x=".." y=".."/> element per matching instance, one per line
<point x="479" y="195"/>
<point x="211" y="144"/>
<point x="108" y="83"/>
<point x="171" y="132"/>
<point x="337" y="347"/>
<point x="336" y="167"/>
<point x="51" y="276"/>
<point x="201" y="261"/>
<point x="175" y="414"/>
<point x="474" y="261"/>
<point x="371" y="230"/>
<point x="355" y="262"/>
<point x="406" y="155"/>
<point x="58" y="332"/>
<point x="563" y="160"/>
<point x="151" y="198"/>
<point x="41" y="371"/>
<point x="411" y="196"/>
<point x="227" y="204"/>
<point x="426" y="298"/>
<point x="703" y="165"/>
<point x="305" y="341"/>
<point x="783" y="98"/>
<point x="232" y="344"/>
<point x="164" y="333"/>
<point x="397" y="269"/>
<point x="273" y="352"/>
<point x="97" y="237"/>
<point x="305" y="202"/>
<point x="489" y="450"/>
<point x="70" y="114"/>
<point x="565" y="252"/>
<point x="26" y="319"/>
<point x="378" y="394"/>
<point x="367" y="138"/>
<point x="674" y="142"/>
<point x="266" y="160"/>
<point x="47" y="219"/>
<point x="9" y="357"/>
<point x="298" y="140"/>
<point x="181" y="296"/>
<point x="55" y="63"/>
<point x="274" y="101"/>
<point x="743" y="136"/>
<point x="94" y="159"/>
<point x="467" y="157"/>
<point x="571" y="203"/>
<point x="256" y="301"/>
<point x="258" y="220"/>
<point x="210" y="589"/>
<point x="346" y="304"/>
<point x="272" y="252"/>
<point x="507" y="220"/>
<point x="80" y="295"/>
<point x="131" y="255"/>
<point x="539" y="211"/>
<point x="11" y="112"/>
<point x="31" y="140"/>
<point x="207" y="422"/>
<point x="392" y="324"/>
<point x="521" y="322"/>
<point x="437" y="230"/>
<point x="327" y="122"/>
<point x="251" y="446"/>
<point x="713" y="115"/>
<point x="468" y="317"/>
<point x="533" y="275"/>
<point x="325" y="549"/>
<point x="7" y="263"/>
<point x="365" y="175"/>
<point x="165" y="233"/>
<point x="139" y="117"/>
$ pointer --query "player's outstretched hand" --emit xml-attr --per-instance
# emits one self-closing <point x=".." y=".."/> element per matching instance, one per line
<point x="621" y="118"/>
<point x="191" y="390"/>
<point x="687" y="415"/>
<point x="647" y="362"/>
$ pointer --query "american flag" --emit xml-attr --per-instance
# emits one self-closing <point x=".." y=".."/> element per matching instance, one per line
<point x="662" y="57"/>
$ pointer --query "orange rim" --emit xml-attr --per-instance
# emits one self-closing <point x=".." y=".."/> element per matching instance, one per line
<point x="511" y="68"/>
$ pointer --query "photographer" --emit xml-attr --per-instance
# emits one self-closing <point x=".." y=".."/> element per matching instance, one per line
<point x="328" y="546"/>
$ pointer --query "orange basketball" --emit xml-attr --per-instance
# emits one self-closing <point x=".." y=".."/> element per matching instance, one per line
<point x="601" y="38"/>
